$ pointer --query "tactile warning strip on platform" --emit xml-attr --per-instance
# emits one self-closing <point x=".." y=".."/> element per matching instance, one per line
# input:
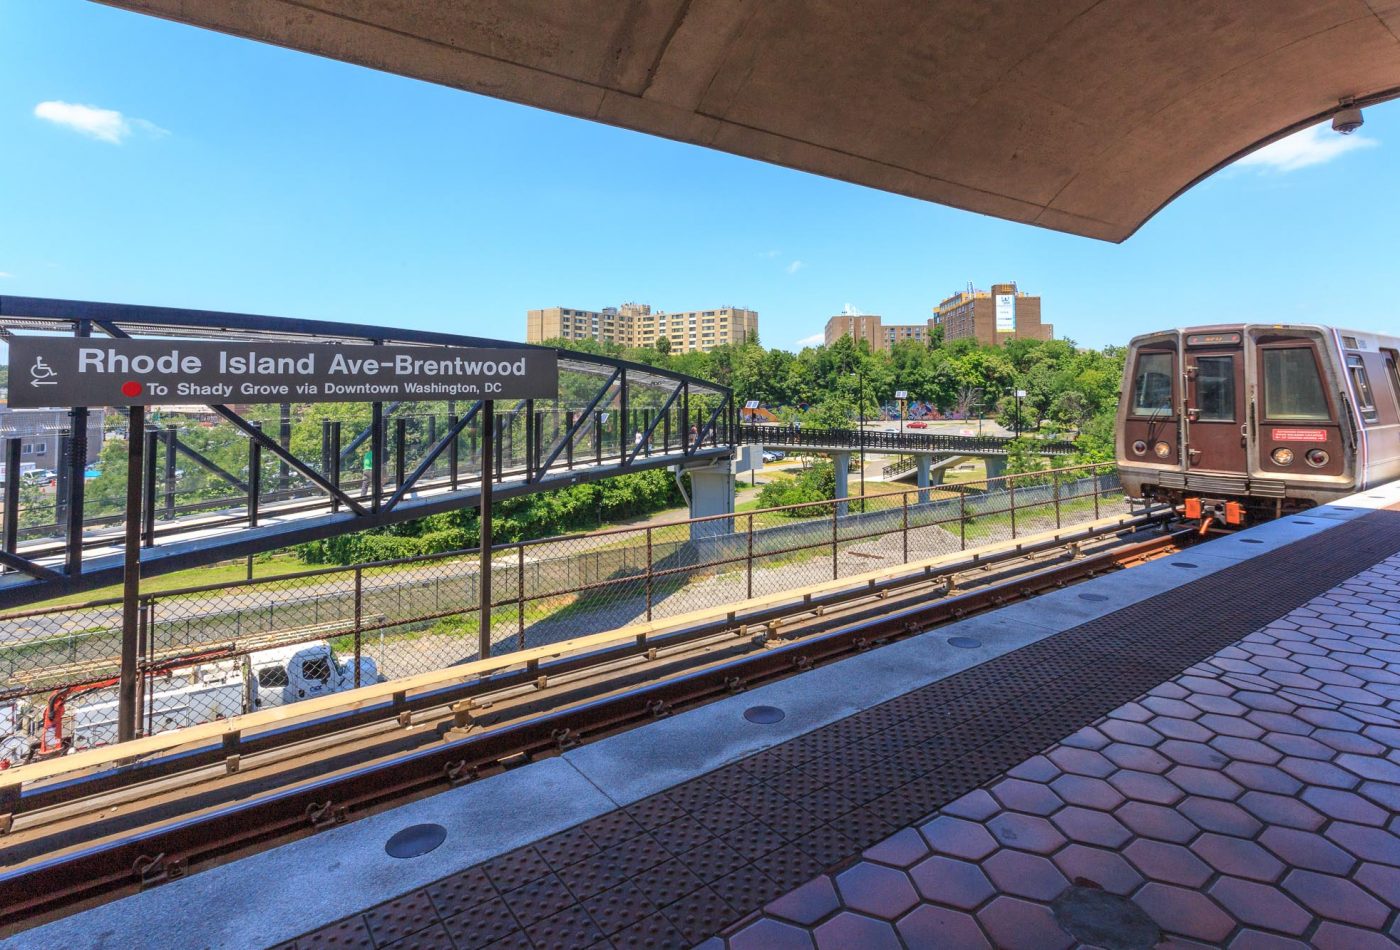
<point x="1248" y="803"/>
<point x="675" y="868"/>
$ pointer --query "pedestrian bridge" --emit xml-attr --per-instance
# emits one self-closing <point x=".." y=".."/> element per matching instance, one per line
<point x="227" y="481"/>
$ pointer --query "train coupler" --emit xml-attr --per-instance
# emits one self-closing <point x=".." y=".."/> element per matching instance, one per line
<point x="1209" y="511"/>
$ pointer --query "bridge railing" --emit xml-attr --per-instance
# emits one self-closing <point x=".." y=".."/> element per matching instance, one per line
<point x="200" y="645"/>
<point x="880" y="440"/>
<point x="905" y="463"/>
<point x="221" y="474"/>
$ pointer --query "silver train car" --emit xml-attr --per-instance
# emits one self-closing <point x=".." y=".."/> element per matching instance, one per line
<point x="1238" y="422"/>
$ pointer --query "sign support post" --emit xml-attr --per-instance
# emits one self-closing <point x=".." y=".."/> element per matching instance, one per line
<point x="131" y="575"/>
<point x="488" y="423"/>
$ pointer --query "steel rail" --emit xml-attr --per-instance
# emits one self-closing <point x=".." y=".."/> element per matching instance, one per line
<point x="153" y="854"/>
<point x="12" y="802"/>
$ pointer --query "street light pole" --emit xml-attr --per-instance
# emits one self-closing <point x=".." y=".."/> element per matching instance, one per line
<point x="1020" y="394"/>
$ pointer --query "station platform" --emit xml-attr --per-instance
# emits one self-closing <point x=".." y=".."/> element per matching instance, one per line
<point x="1202" y="750"/>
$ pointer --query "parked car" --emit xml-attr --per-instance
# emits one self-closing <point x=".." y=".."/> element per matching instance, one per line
<point x="771" y="456"/>
<point x="917" y="425"/>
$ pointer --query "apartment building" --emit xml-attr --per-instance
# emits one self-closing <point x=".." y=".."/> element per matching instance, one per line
<point x="868" y="327"/>
<point x="637" y="325"/>
<point x="991" y="317"/>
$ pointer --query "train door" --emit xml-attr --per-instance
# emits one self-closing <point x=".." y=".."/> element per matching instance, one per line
<point x="1215" y="408"/>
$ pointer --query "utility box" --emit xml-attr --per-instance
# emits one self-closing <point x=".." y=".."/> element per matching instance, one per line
<point x="747" y="458"/>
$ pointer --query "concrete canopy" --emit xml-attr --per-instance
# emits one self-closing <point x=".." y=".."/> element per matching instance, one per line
<point x="1085" y="116"/>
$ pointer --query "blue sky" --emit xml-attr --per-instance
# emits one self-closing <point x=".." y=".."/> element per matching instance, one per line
<point x="230" y="175"/>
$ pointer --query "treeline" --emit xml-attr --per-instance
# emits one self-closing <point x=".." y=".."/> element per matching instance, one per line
<point x="1069" y="390"/>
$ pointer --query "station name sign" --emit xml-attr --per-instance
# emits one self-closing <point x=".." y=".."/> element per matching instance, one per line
<point x="61" y="371"/>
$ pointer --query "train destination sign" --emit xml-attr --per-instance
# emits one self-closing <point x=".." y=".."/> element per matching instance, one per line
<point x="49" y="371"/>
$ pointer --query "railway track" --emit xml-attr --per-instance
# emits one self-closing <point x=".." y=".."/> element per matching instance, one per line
<point x="91" y="838"/>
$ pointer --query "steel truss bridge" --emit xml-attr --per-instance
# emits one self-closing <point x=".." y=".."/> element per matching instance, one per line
<point x="234" y="480"/>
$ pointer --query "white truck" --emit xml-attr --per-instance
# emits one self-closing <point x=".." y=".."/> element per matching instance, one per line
<point x="187" y="696"/>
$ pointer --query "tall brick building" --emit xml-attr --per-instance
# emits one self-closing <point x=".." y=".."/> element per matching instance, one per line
<point x="869" y="328"/>
<point x="992" y="317"/>
<point x="635" y="324"/>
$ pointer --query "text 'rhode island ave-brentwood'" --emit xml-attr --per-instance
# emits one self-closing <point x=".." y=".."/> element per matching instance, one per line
<point x="57" y="371"/>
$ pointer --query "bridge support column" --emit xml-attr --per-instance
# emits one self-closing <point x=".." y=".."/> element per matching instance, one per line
<point x="841" y="461"/>
<point x="711" y="493"/>
<point x="996" y="465"/>
<point x="927" y="477"/>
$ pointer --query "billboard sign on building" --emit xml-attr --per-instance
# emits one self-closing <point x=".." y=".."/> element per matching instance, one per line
<point x="1006" y="313"/>
<point x="48" y="371"/>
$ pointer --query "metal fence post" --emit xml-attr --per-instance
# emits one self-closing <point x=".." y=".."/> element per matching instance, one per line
<point x="284" y="436"/>
<point x="835" y="571"/>
<point x="145" y="694"/>
<point x="12" y="463"/>
<point x="400" y="448"/>
<point x="170" y="436"/>
<point x="376" y="454"/>
<point x="359" y="618"/>
<point x="325" y="445"/>
<point x="962" y="521"/>
<point x="453" y="450"/>
<point x="1095" y="473"/>
<point x="650" y="577"/>
<point x="532" y="438"/>
<point x="148" y="513"/>
<point x="750" y="556"/>
<point x="1056" y="474"/>
<point x="906" y="527"/>
<point x="333" y="468"/>
<point x="254" y="477"/>
<point x="1011" y="487"/>
<point x="520" y="594"/>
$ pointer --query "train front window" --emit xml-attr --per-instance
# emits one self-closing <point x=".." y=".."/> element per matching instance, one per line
<point x="1152" y="390"/>
<point x="1365" y="401"/>
<point x="1215" y="388"/>
<point x="1292" y="387"/>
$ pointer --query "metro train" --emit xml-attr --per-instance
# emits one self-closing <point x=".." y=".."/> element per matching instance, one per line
<point x="1238" y="422"/>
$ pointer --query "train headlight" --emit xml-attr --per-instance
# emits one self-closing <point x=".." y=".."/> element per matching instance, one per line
<point x="1162" y="449"/>
<point x="1139" y="447"/>
<point x="1316" y="458"/>
<point x="1282" y="456"/>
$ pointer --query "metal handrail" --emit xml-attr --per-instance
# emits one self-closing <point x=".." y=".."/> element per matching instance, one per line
<point x="929" y="442"/>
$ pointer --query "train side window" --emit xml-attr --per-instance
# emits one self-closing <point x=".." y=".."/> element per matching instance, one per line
<point x="1215" y="388"/>
<point x="1392" y="370"/>
<point x="1292" y="387"/>
<point x="1365" y="400"/>
<point x="318" y="669"/>
<point x="1152" y="388"/>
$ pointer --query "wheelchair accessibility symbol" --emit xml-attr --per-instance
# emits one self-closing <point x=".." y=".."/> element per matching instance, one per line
<point x="41" y="373"/>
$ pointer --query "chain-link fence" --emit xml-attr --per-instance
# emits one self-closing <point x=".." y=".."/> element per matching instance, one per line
<point x="218" y="650"/>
